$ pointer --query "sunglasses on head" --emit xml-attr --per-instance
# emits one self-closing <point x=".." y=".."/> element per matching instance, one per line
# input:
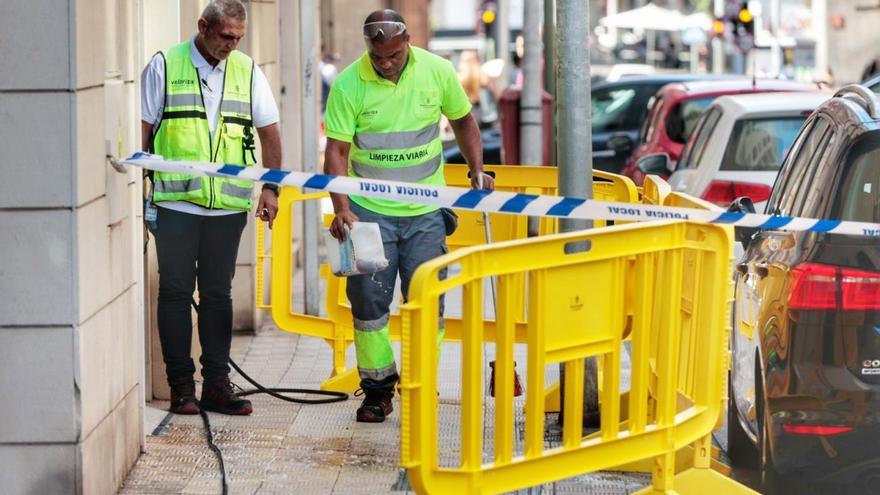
<point x="385" y="29"/>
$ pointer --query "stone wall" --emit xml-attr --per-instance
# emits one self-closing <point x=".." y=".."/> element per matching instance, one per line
<point x="71" y="319"/>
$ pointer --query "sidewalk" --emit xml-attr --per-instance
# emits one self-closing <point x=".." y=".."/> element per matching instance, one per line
<point x="286" y="448"/>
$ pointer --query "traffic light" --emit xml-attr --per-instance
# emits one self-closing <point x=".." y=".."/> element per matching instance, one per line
<point x="746" y="19"/>
<point x="718" y="28"/>
<point x="488" y="17"/>
<point x="744" y="28"/>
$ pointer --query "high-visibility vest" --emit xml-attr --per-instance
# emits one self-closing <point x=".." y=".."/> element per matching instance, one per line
<point x="184" y="134"/>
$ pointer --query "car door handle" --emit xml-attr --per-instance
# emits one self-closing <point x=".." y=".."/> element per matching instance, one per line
<point x="742" y="268"/>
<point x="761" y="269"/>
<point x="604" y="153"/>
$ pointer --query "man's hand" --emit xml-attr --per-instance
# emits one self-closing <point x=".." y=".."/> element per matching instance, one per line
<point x="342" y="219"/>
<point x="488" y="181"/>
<point x="267" y="207"/>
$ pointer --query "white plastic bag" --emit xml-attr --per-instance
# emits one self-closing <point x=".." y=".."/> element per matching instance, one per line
<point x="362" y="251"/>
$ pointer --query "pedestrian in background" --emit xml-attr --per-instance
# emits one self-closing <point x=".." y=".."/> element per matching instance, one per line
<point x="472" y="79"/>
<point x="383" y="122"/>
<point x="201" y="101"/>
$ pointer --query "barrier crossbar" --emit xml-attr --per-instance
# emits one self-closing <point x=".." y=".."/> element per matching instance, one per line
<point x="576" y="308"/>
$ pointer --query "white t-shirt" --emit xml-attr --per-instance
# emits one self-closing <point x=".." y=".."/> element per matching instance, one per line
<point x="265" y="111"/>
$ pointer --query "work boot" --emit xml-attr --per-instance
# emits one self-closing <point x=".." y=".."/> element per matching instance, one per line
<point x="218" y="396"/>
<point x="375" y="407"/>
<point x="183" y="397"/>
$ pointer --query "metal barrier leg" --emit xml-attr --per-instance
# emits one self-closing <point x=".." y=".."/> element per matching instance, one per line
<point x="341" y="379"/>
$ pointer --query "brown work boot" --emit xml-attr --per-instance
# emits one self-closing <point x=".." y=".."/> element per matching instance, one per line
<point x="375" y="407"/>
<point x="218" y="396"/>
<point x="183" y="397"/>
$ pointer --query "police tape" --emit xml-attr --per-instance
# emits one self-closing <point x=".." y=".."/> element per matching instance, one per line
<point x="497" y="201"/>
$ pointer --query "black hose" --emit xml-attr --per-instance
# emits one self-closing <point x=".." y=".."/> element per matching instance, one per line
<point x="274" y="392"/>
<point x="215" y="449"/>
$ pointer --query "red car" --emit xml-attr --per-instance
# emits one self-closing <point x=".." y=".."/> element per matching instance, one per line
<point x="678" y="106"/>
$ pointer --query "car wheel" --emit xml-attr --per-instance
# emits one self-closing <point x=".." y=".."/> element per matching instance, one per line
<point x="740" y="448"/>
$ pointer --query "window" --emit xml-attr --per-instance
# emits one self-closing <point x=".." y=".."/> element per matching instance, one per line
<point x="650" y="124"/>
<point x="683" y="118"/>
<point x="621" y="108"/>
<point x="813" y="142"/>
<point x="760" y="144"/>
<point x="697" y="144"/>
<point x="859" y="195"/>
<point x="610" y="108"/>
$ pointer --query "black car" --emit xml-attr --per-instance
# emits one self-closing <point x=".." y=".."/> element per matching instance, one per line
<point x="618" y="110"/>
<point x="805" y="372"/>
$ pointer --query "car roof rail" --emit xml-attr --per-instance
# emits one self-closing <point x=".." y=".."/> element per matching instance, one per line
<point x="863" y="95"/>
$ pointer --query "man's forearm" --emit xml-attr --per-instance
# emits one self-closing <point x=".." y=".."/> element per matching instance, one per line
<point x="467" y="134"/>
<point x="270" y="142"/>
<point x="336" y="163"/>
<point x="146" y="136"/>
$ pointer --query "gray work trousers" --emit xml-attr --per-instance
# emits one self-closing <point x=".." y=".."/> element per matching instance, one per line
<point x="408" y="242"/>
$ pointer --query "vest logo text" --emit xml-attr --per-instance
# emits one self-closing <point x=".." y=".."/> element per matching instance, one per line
<point x="178" y="82"/>
<point x="398" y="157"/>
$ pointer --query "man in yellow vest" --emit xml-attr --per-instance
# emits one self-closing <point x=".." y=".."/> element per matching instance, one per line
<point x="383" y="122"/>
<point x="201" y="101"/>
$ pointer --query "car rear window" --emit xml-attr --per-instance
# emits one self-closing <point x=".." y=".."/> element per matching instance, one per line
<point x="760" y="144"/>
<point x="610" y="108"/>
<point x="683" y="118"/>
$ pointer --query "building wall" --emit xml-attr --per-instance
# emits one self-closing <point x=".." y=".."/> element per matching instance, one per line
<point x="72" y="332"/>
<point x="71" y="319"/>
<point x="852" y="47"/>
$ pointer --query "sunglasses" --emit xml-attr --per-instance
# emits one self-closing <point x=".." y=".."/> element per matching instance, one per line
<point x="385" y="29"/>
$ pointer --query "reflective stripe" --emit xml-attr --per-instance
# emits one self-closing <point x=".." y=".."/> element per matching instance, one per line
<point x="411" y="173"/>
<point x="184" y="100"/>
<point x="230" y="189"/>
<point x="178" y="186"/>
<point x="232" y="106"/>
<point x="378" y="375"/>
<point x="371" y="325"/>
<point x="185" y="114"/>
<point x="397" y="140"/>
<point x="373" y="349"/>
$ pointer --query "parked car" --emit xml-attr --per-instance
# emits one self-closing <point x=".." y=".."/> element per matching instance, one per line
<point x="805" y="373"/>
<point x="619" y="108"/>
<point x="679" y="106"/>
<point x="740" y="144"/>
<point x="491" y="149"/>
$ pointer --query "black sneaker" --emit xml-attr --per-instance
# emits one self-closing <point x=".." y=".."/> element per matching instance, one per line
<point x="218" y="396"/>
<point x="183" y="398"/>
<point x="375" y="407"/>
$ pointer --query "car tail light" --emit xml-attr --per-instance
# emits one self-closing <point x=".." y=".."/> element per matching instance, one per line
<point x="813" y="286"/>
<point x="816" y="286"/>
<point x="815" y="429"/>
<point x="861" y="290"/>
<point x="722" y="192"/>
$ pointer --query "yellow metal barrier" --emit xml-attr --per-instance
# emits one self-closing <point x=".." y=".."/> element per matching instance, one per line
<point x="680" y="319"/>
<point x="336" y="328"/>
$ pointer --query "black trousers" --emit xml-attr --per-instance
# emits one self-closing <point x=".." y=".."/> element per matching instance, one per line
<point x="194" y="248"/>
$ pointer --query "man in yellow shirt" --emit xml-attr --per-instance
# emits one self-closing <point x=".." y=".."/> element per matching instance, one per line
<point x="383" y="122"/>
